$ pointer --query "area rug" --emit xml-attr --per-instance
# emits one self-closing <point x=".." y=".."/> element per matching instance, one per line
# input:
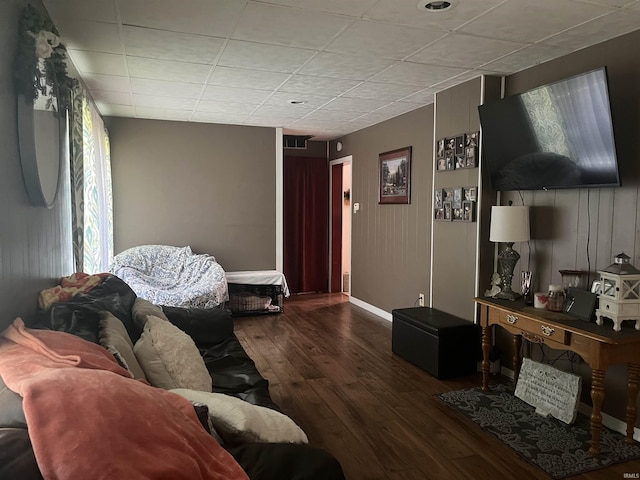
<point x="558" y="449"/>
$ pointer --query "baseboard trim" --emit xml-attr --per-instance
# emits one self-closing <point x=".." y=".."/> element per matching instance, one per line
<point x="608" y="421"/>
<point x="370" y="308"/>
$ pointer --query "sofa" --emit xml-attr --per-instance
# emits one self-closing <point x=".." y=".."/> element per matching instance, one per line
<point x="232" y="406"/>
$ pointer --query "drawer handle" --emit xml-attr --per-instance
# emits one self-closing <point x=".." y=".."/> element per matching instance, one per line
<point x="532" y="338"/>
<point x="547" y="331"/>
<point x="512" y="319"/>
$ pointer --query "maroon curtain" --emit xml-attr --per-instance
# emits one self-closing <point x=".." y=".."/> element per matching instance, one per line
<point x="306" y="194"/>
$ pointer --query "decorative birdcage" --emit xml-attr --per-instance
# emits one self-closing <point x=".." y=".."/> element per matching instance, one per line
<point x="619" y="293"/>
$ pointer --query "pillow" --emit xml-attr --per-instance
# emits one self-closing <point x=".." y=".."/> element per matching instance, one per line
<point x="142" y="309"/>
<point x="169" y="357"/>
<point x="113" y="336"/>
<point x="207" y="326"/>
<point x="238" y="421"/>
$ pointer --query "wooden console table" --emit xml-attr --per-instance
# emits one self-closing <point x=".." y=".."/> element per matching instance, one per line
<point x="599" y="346"/>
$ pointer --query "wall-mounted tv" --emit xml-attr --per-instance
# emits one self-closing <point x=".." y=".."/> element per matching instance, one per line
<point x="555" y="136"/>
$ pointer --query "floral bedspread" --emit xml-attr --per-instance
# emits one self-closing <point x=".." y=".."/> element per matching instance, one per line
<point x="172" y="276"/>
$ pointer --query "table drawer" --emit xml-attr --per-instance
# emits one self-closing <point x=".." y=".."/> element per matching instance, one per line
<point x="533" y="330"/>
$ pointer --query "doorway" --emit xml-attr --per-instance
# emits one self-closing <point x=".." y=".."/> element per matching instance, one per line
<point x="340" y="225"/>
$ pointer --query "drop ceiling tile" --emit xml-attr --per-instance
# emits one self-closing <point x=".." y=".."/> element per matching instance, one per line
<point x="239" y="95"/>
<point x="93" y="36"/>
<point x="525" y="58"/>
<point x="163" y="113"/>
<point x="313" y="124"/>
<point x="470" y="52"/>
<point x="225" y="107"/>
<point x="210" y="117"/>
<point x="635" y="6"/>
<point x="164" y="45"/>
<point x="284" y="111"/>
<point x="167" y="70"/>
<point x="114" y="98"/>
<point x="407" y="13"/>
<point x="268" y="121"/>
<point x="382" y="40"/>
<point x="311" y="101"/>
<point x="108" y="110"/>
<point x="610" y="3"/>
<point x="350" y="67"/>
<point x="333" y="116"/>
<point x="163" y="102"/>
<point x="110" y="83"/>
<point x="407" y="73"/>
<point x="305" y="84"/>
<point x="187" y="16"/>
<point x="287" y="26"/>
<point x="362" y="105"/>
<point x="259" y="56"/>
<point x="528" y="22"/>
<point x="424" y="97"/>
<point x="244" y="78"/>
<point x="397" y="108"/>
<point x="147" y="86"/>
<point x="382" y="91"/>
<point x="96" y="10"/>
<point x="354" y="8"/>
<point x="93" y="62"/>
<point x="596" y="31"/>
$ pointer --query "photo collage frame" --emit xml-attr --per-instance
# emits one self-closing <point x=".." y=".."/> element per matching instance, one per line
<point x="457" y="204"/>
<point x="455" y="153"/>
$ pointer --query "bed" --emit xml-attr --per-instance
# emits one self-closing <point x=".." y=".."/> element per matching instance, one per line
<point x="172" y="276"/>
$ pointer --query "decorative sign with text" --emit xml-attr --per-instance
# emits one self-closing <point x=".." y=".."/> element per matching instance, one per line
<point x="551" y="391"/>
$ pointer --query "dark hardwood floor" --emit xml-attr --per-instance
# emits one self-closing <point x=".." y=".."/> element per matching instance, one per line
<point x="331" y="369"/>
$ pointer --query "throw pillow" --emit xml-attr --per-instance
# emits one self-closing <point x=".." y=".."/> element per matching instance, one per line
<point x="238" y="421"/>
<point x="169" y="357"/>
<point x="142" y="309"/>
<point x="113" y="336"/>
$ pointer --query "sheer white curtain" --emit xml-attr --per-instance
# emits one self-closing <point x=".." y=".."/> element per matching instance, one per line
<point x="92" y="203"/>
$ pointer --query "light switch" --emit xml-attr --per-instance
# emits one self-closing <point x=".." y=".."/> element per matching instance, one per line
<point x="356" y="207"/>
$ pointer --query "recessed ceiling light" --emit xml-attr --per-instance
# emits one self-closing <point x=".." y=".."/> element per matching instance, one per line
<point x="297" y="102"/>
<point x="433" y="6"/>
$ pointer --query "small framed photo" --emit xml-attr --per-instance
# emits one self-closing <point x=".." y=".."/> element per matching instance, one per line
<point x="457" y="214"/>
<point x="460" y="145"/>
<point x="449" y="158"/>
<point x="447" y="195"/>
<point x="441" y="164"/>
<point x="450" y="144"/>
<point x="461" y="162"/>
<point x="448" y="211"/>
<point x="437" y="200"/>
<point x="395" y="176"/>
<point x="438" y="213"/>
<point x="470" y="194"/>
<point x="470" y="157"/>
<point x="457" y="197"/>
<point x="440" y="148"/>
<point x="468" y="211"/>
<point x="471" y="139"/>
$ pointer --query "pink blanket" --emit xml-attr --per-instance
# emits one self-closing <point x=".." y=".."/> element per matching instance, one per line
<point x="88" y="419"/>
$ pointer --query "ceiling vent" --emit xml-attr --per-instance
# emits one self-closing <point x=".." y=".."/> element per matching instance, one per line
<point x="296" y="141"/>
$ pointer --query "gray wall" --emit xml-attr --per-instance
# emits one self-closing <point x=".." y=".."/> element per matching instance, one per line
<point x="205" y="185"/>
<point x="34" y="241"/>
<point x="390" y="243"/>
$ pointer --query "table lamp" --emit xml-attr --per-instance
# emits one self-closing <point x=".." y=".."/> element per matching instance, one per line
<point x="509" y="224"/>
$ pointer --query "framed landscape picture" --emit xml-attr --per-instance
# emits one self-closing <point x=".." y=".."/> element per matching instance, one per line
<point x="395" y="176"/>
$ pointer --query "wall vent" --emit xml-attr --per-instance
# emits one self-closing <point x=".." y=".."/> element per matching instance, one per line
<point x="296" y="141"/>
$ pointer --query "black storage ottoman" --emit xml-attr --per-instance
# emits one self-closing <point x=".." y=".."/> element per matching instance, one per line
<point x="440" y="343"/>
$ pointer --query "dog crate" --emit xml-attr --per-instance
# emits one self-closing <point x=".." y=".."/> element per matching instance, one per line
<point x="255" y="299"/>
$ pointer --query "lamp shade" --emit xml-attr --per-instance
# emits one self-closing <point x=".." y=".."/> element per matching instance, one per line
<point x="509" y="224"/>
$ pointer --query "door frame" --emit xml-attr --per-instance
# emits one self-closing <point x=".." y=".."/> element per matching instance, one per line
<point x="338" y="161"/>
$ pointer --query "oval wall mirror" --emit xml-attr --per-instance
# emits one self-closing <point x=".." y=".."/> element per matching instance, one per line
<point x="42" y="135"/>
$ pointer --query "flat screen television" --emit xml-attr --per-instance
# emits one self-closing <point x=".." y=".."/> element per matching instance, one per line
<point x="555" y="136"/>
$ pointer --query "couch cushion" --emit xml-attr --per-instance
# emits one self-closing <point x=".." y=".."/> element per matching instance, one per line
<point x="238" y="421"/>
<point x="11" y="413"/>
<point x="169" y="357"/>
<point x="142" y="309"/>
<point x="207" y="326"/>
<point x="114" y="337"/>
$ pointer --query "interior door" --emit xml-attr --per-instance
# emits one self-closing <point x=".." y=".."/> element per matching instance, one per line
<point x="336" y="228"/>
